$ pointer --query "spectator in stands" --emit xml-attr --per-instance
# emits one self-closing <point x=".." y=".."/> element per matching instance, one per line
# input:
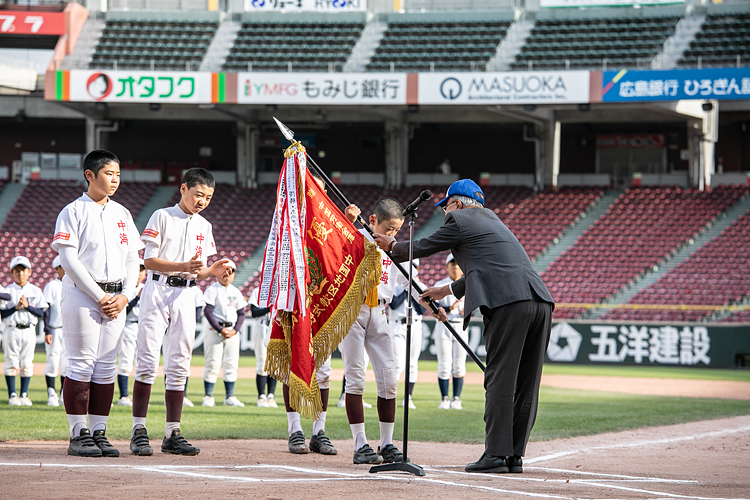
<point x="517" y="310"/>
<point x="445" y="167"/>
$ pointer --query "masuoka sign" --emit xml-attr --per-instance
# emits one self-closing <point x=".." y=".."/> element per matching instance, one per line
<point x="518" y="87"/>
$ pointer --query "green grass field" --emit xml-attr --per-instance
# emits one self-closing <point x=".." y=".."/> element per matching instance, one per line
<point x="562" y="412"/>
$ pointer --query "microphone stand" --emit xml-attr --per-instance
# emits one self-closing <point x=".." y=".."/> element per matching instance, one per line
<point x="405" y="465"/>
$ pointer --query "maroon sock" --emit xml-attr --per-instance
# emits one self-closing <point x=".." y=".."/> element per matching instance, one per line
<point x="141" y="397"/>
<point x="324" y="398"/>
<point x="173" y="399"/>
<point x="76" y="397"/>
<point x="285" y="391"/>
<point x="100" y="400"/>
<point x="355" y="412"/>
<point x="386" y="409"/>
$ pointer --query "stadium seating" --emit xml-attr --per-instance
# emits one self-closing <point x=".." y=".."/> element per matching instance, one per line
<point x="310" y="46"/>
<point x="737" y="317"/>
<point x="167" y="45"/>
<point x="444" y="46"/>
<point x="32" y="236"/>
<point x="716" y="274"/>
<point x="721" y="40"/>
<point x="639" y="230"/>
<point x="585" y="43"/>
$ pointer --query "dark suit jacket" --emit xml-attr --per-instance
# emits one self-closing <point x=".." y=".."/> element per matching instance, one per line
<point x="496" y="269"/>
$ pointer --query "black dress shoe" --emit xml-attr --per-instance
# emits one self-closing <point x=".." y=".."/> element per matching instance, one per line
<point x="515" y="464"/>
<point x="488" y="464"/>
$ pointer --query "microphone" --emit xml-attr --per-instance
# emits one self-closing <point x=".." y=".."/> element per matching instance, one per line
<point x="412" y="207"/>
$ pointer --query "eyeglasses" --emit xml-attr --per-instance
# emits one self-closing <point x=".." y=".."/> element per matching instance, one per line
<point x="445" y="208"/>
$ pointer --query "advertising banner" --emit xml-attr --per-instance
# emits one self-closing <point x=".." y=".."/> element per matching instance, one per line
<point x="561" y="4"/>
<point x="306" y="5"/>
<point x="630" y="141"/>
<point x="135" y="86"/>
<point x="675" y="85"/>
<point x="31" y="23"/>
<point x="322" y="88"/>
<point x="518" y="87"/>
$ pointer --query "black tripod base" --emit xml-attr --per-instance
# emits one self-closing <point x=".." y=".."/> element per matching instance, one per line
<point x="399" y="466"/>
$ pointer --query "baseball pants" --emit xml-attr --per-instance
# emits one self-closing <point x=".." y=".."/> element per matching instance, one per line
<point x="398" y="332"/>
<point x="170" y="309"/>
<point x="370" y="333"/>
<point x="261" y="336"/>
<point x="323" y="374"/>
<point x="18" y="346"/>
<point x="126" y="353"/>
<point x="451" y="357"/>
<point x="91" y="338"/>
<point x="57" y="358"/>
<point x="221" y="353"/>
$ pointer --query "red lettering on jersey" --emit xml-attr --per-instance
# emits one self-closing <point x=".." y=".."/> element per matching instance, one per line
<point x="199" y="250"/>
<point x="384" y="278"/>
<point x="151" y="233"/>
<point x="61" y="236"/>
<point x="123" y="239"/>
<point x="121" y="225"/>
<point x="200" y="237"/>
<point x="387" y="262"/>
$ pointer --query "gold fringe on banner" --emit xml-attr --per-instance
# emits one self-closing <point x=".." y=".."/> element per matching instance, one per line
<point x="306" y="400"/>
<point x="334" y="330"/>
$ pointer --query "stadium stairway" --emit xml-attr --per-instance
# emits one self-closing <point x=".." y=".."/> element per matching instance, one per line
<point x="86" y="45"/>
<point x="568" y="239"/>
<point x="429" y="227"/>
<point x="8" y="198"/>
<point x="159" y="199"/>
<point x="247" y="269"/>
<point x="511" y="45"/>
<point x="676" y="45"/>
<point x="365" y="47"/>
<point x="715" y="229"/>
<point x="220" y="46"/>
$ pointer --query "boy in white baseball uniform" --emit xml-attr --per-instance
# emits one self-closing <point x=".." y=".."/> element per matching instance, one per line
<point x="265" y="384"/>
<point x="126" y="352"/>
<point x="54" y="344"/>
<point x="397" y="323"/>
<point x="225" y="312"/>
<point x="370" y="332"/>
<point x="178" y="243"/>
<point x="451" y="356"/>
<point x="19" y="337"/>
<point x="98" y="245"/>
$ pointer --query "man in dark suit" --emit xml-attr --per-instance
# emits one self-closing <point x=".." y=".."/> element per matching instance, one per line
<point x="517" y="309"/>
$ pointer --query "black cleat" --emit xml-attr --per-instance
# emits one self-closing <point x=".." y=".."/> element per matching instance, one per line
<point x="390" y="454"/>
<point x="297" y="443"/>
<point x="366" y="455"/>
<point x="100" y="440"/>
<point x="515" y="464"/>
<point x="488" y="464"/>
<point x="84" y="445"/>
<point x="178" y="445"/>
<point x="320" y="443"/>
<point x="139" y="444"/>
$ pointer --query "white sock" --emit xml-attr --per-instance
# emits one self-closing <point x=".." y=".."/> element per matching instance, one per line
<point x="97" y="422"/>
<point x="76" y="423"/>
<point x="358" y="433"/>
<point x="139" y="423"/>
<point x="294" y="423"/>
<point x="51" y="392"/>
<point x="170" y="427"/>
<point x="386" y="433"/>
<point x="320" y="424"/>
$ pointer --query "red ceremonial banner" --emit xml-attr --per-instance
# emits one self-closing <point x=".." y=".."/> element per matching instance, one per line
<point x="13" y="22"/>
<point x="341" y="268"/>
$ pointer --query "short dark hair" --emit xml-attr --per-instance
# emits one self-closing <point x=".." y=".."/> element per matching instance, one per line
<point x="195" y="176"/>
<point x="97" y="160"/>
<point x="388" y="209"/>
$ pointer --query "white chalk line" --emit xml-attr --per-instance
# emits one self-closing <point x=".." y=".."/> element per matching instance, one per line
<point x="598" y="474"/>
<point x="636" y="444"/>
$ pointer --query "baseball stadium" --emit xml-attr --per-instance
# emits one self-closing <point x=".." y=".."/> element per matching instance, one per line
<point x="609" y="139"/>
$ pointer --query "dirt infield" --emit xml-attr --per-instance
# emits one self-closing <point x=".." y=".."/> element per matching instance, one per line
<point x="699" y="460"/>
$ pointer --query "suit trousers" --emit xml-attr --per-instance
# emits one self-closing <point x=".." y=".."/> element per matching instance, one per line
<point x="516" y="336"/>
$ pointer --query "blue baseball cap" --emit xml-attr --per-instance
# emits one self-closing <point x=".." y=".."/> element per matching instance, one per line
<point x="464" y="187"/>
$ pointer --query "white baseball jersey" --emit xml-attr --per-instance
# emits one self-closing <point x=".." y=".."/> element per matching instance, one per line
<point x="227" y="300"/>
<point x="199" y="302"/>
<point x="399" y="312"/>
<point x="34" y="297"/>
<point x="391" y="275"/>
<point x="132" y="316"/>
<point x="447" y="302"/>
<point x="103" y="234"/>
<point x="52" y="295"/>
<point x="174" y="236"/>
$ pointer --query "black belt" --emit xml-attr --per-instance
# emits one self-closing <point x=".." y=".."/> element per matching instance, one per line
<point x="174" y="281"/>
<point x="23" y="327"/>
<point x="115" y="287"/>
<point x="226" y="324"/>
